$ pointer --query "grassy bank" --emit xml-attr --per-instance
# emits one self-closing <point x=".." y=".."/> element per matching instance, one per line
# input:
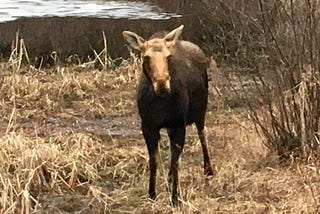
<point x="70" y="142"/>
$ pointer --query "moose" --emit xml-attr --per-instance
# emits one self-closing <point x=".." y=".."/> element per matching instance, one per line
<point x="172" y="93"/>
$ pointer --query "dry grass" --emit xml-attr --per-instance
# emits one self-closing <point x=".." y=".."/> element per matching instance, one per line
<point x="70" y="142"/>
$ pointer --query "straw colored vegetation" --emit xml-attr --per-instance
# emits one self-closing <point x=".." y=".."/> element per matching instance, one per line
<point x="70" y="142"/>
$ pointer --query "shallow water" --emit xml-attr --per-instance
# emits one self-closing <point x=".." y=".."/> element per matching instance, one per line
<point x="14" y="9"/>
<point x="74" y="27"/>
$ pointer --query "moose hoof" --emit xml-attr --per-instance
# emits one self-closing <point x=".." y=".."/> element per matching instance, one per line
<point x="208" y="171"/>
<point x="152" y="195"/>
<point x="175" y="201"/>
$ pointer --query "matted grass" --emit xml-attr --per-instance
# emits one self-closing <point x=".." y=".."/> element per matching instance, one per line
<point x="70" y="142"/>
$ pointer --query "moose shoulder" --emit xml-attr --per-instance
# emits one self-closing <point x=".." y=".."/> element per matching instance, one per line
<point x="172" y="93"/>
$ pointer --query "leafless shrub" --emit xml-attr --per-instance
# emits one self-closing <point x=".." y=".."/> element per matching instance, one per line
<point x="279" y="41"/>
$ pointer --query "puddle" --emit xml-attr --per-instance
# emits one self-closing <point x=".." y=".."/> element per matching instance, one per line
<point x="13" y="9"/>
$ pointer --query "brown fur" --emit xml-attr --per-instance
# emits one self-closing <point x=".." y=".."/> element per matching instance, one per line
<point x="185" y="103"/>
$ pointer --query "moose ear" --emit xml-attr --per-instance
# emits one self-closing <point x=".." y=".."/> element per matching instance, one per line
<point x="133" y="40"/>
<point x="173" y="36"/>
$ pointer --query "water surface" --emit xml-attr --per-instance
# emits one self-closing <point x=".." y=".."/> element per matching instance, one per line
<point x="14" y="9"/>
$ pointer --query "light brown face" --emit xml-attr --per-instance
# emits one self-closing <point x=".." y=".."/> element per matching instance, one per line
<point x="156" y="56"/>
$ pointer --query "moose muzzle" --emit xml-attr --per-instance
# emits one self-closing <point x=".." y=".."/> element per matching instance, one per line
<point x="161" y="87"/>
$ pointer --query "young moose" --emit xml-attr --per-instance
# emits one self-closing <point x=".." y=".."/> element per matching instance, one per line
<point x="173" y="93"/>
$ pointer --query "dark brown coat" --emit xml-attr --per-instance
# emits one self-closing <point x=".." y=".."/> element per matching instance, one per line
<point x="172" y="93"/>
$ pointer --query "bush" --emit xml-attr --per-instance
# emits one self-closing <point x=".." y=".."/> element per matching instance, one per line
<point x="279" y="40"/>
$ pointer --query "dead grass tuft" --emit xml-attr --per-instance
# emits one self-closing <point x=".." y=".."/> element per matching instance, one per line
<point x="70" y="142"/>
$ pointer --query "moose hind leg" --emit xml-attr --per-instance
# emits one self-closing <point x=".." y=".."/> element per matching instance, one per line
<point x="177" y="139"/>
<point x="203" y="140"/>
<point x="152" y="137"/>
